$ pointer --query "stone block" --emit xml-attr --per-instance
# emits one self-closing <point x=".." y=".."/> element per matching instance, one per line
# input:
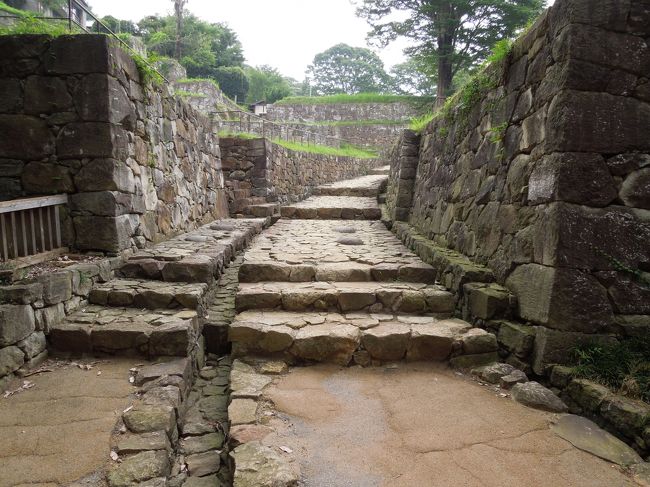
<point x="516" y="338"/>
<point x="105" y="175"/>
<point x="21" y="293"/>
<point x="57" y="287"/>
<point x="78" y="55"/>
<point x="591" y="238"/>
<point x="16" y="323"/>
<point x="560" y="298"/>
<point x="47" y="178"/>
<point x="561" y="376"/>
<point x="572" y="177"/>
<point x="149" y="418"/>
<point x="11" y="95"/>
<point x="387" y="341"/>
<point x="556" y="347"/>
<point x="107" y="203"/>
<point x="108" y="234"/>
<point x="581" y="121"/>
<point x="487" y="301"/>
<point x="33" y="345"/>
<point x="326" y="343"/>
<point x="588" y="395"/>
<point x="478" y="341"/>
<point x="71" y="338"/>
<point x="11" y="359"/>
<point x="471" y="361"/>
<point x="535" y="395"/>
<point x="44" y="95"/>
<point x="627" y="415"/>
<point x="92" y="140"/>
<point x="138" y="468"/>
<point x="25" y="138"/>
<point x="430" y="342"/>
<point x="48" y="317"/>
<point x="635" y="189"/>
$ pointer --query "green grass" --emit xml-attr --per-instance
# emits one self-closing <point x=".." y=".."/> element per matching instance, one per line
<point x="344" y="150"/>
<point x="359" y="98"/>
<point x="189" y="94"/>
<point x="238" y="135"/>
<point x="197" y="80"/>
<point x="624" y="367"/>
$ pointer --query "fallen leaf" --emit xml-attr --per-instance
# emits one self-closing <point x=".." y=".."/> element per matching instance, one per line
<point x="286" y="449"/>
<point x="114" y="456"/>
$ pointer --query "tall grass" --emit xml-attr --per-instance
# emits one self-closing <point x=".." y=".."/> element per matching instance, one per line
<point x="343" y="151"/>
<point x="624" y="367"/>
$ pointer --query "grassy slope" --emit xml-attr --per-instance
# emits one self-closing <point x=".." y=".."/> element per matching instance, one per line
<point x="360" y="98"/>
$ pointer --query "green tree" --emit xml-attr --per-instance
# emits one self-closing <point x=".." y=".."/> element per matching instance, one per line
<point x="232" y="81"/>
<point x="346" y="69"/>
<point x="179" y="7"/>
<point x="118" y="26"/>
<point x="266" y="83"/>
<point x="451" y="35"/>
<point x="412" y="78"/>
<point x="205" y="46"/>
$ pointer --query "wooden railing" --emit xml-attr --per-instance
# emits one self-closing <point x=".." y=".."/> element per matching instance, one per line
<point x="30" y="226"/>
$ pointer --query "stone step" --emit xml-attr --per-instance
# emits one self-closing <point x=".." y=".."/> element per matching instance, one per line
<point x="381" y="170"/>
<point x="406" y="297"/>
<point x="263" y="210"/>
<point x="366" y="186"/>
<point x="333" y="208"/>
<point x="264" y="271"/>
<point x="127" y="331"/>
<point x="362" y="338"/>
<point x="143" y="294"/>
<point x="198" y="256"/>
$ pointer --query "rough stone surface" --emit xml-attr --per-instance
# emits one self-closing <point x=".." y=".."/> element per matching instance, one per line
<point x="537" y="396"/>
<point x="258" y="465"/>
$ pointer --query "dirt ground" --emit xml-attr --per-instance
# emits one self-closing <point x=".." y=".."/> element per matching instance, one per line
<point x="58" y="431"/>
<point x="422" y="425"/>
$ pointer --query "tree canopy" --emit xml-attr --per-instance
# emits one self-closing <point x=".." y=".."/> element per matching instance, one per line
<point x="266" y="83"/>
<point x="452" y="35"/>
<point x="346" y="69"/>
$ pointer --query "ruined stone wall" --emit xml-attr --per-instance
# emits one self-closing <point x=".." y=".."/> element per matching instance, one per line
<point x="545" y="177"/>
<point x="343" y="111"/>
<point x="259" y="171"/>
<point x="77" y="118"/>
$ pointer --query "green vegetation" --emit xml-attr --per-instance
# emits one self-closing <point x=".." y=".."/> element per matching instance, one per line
<point x="418" y="124"/>
<point x="197" y="80"/>
<point x="238" y="135"/>
<point x="148" y="73"/>
<point x="189" y="94"/>
<point x="27" y="23"/>
<point x="447" y="38"/>
<point x="624" y="367"/>
<point x="358" y="98"/>
<point x="500" y="51"/>
<point x="344" y="150"/>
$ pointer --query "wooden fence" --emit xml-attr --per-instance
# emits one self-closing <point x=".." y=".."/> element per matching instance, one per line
<point x="30" y="226"/>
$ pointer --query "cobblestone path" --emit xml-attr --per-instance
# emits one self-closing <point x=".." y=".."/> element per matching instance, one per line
<point x="328" y="287"/>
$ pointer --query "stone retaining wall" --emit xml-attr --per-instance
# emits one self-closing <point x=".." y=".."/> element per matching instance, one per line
<point x="205" y="97"/>
<point x="544" y="180"/>
<point x="374" y="136"/>
<point x="77" y="118"/>
<point x="29" y="308"/>
<point x="344" y="111"/>
<point x="259" y="171"/>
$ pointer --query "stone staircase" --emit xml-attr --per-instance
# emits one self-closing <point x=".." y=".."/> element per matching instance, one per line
<point x="157" y="304"/>
<point x="314" y="288"/>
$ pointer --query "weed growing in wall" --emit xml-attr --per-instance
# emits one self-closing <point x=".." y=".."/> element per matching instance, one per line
<point x="624" y="366"/>
<point x="27" y="23"/>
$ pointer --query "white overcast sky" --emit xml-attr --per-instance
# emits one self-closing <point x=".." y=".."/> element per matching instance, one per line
<point x="285" y="34"/>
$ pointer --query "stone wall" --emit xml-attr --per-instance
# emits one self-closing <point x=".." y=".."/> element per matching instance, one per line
<point x="29" y="308"/>
<point x="374" y="136"/>
<point x="329" y="112"/>
<point x="544" y="181"/>
<point x="77" y="118"/>
<point x="205" y="97"/>
<point x="259" y="171"/>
